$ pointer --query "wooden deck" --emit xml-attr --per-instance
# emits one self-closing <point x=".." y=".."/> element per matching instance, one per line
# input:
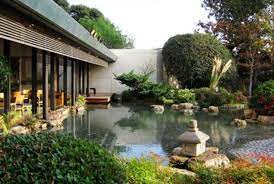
<point x="99" y="99"/>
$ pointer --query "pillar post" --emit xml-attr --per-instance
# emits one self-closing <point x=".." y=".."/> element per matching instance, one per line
<point x="34" y="81"/>
<point x="7" y="92"/>
<point x="83" y="78"/>
<point x="45" y="85"/>
<point x="65" y="81"/>
<point x="87" y="89"/>
<point x="73" y="82"/>
<point x="57" y="74"/>
<point x="52" y="78"/>
<point x="80" y="77"/>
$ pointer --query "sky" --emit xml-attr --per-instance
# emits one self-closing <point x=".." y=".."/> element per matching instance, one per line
<point x="150" y="22"/>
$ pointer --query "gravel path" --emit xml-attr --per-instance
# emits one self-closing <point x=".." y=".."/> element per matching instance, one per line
<point x="256" y="150"/>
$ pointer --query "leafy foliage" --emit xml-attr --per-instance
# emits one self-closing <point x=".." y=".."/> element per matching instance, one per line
<point x="64" y="4"/>
<point x="56" y="158"/>
<point x="263" y="98"/>
<point x="207" y="97"/>
<point x="5" y="73"/>
<point x="189" y="58"/>
<point x="92" y="19"/>
<point x="246" y="28"/>
<point x="144" y="170"/>
<point x="110" y="35"/>
<point x="141" y="87"/>
<point x="81" y="100"/>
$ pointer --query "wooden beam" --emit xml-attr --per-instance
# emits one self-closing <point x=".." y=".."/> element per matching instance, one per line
<point x="7" y="92"/>
<point x="65" y="81"/>
<point x="73" y="82"/>
<point x="87" y="89"/>
<point x="45" y="85"/>
<point x="34" y="81"/>
<point x="52" y="80"/>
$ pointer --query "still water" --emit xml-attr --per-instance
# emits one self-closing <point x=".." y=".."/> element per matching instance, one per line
<point x="135" y="131"/>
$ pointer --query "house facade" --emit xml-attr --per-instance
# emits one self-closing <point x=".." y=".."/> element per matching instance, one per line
<point x="51" y="55"/>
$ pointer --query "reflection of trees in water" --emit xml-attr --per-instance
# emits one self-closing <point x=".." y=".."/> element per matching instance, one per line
<point x="81" y="126"/>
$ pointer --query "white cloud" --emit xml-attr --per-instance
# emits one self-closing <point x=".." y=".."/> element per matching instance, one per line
<point x="150" y="22"/>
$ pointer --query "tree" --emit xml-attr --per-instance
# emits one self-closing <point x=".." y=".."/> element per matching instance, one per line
<point x="81" y="11"/>
<point x="189" y="58"/>
<point x="110" y="35"/>
<point x="63" y="3"/>
<point x="246" y="28"/>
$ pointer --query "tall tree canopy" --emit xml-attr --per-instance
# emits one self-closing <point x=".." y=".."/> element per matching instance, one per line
<point x="93" y="20"/>
<point x="64" y="4"/>
<point x="247" y="29"/>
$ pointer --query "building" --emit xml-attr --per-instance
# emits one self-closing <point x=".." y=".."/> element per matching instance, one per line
<point x="50" y="53"/>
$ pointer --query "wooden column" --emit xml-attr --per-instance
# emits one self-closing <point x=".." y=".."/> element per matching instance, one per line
<point x="52" y="78"/>
<point x="83" y="78"/>
<point x="34" y="81"/>
<point x="65" y="81"/>
<point x="7" y="92"/>
<point x="73" y="82"/>
<point x="87" y="89"/>
<point x="45" y="85"/>
<point x="57" y="74"/>
<point x="80" y="77"/>
<point x="76" y="79"/>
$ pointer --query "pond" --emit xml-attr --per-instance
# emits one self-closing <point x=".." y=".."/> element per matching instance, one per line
<point x="135" y="131"/>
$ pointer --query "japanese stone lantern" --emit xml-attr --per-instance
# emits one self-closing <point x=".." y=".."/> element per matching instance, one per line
<point x="193" y="141"/>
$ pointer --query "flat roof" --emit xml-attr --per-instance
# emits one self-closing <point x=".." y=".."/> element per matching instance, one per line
<point x="55" y="17"/>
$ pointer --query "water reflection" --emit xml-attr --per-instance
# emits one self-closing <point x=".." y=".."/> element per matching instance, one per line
<point x="133" y="131"/>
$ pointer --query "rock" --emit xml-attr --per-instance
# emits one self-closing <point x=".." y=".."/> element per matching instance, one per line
<point x="213" y="109"/>
<point x="19" y="130"/>
<point x="266" y="119"/>
<point x="239" y="123"/>
<point x="175" y="107"/>
<point x="205" y="109"/>
<point x="214" y="150"/>
<point x="182" y="106"/>
<point x="55" y="123"/>
<point x="177" y="151"/>
<point x="196" y="108"/>
<point x="54" y="129"/>
<point x="36" y="126"/>
<point x="80" y="110"/>
<point x="188" y="112"/>
<point x="178" y="160"/>
<point x="209" y="159"/>
<point x="173" y="170"/>
<point x="44" y="126"/>
<point x="248" y="113"/>
<point x="159" y="109"/>
<point x="251" y="121"/>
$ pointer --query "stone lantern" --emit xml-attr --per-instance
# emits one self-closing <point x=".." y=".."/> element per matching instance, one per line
<point x="193" y="141"/>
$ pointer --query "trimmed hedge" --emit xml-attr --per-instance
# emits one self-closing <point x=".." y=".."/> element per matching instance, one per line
<point x="56" y="158"/>
<point x="263" y="98"/>
<point x="189" y="58"/>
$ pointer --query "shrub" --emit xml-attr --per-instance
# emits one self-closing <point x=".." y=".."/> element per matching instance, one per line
<point x="143" y="170"/>
<point x="81" y="100"/>
<point x="141" y="87"/>
<point x="206" y="97"/>
<point x="189" y="58"/>
<point x="56" y="158"/>
<point x="263" y="98"/>
<point x="184" y="95"/>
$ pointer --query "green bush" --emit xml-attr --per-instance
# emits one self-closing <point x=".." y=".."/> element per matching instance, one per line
<point x="263" y="98"/>
<point x="189" y="58"/>
<point x="81" y="100"/>
<point x="143" y="171"/>
<point x="184" y="95"/>
<point x="56" y="158"/>
<point x="206" y="97"/>
<point x="141" y="87"/>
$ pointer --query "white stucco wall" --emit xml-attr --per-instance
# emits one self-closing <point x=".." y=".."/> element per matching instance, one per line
<point x="128" y="59"/>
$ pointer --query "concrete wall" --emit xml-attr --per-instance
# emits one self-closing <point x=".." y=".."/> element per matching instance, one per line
<point x="138" y="60"/>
